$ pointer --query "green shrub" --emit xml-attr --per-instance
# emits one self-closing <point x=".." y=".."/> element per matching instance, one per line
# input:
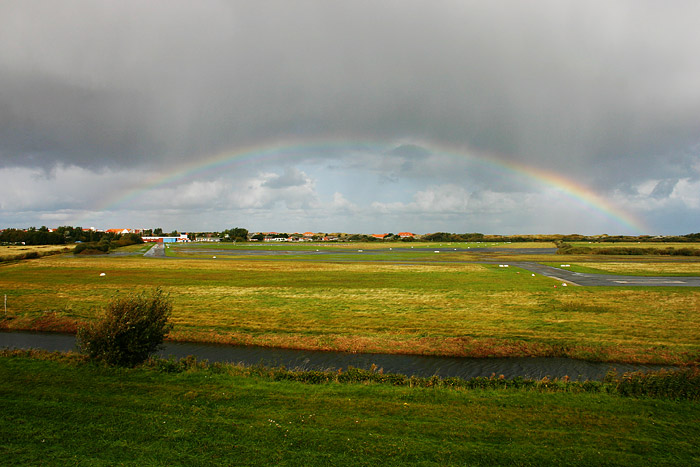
<point x="129" y="239"/>
<point x="132" y="328"/>
<point x="91" y="248"/>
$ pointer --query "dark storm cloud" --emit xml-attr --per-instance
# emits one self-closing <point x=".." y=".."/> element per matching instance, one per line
<point x="409" y="151"/>
<point x="45" y="121"/>
<point x="663" y="189"/>
<point x="575" y="86"/>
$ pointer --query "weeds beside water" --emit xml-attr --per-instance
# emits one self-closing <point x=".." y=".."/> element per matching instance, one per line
<point x="678" y="384"/>
<point x="681" y="383"/>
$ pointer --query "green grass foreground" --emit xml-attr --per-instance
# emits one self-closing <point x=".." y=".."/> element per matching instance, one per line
<point x="67" y="412"/>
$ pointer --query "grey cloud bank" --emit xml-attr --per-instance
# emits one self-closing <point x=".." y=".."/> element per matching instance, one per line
<point x="604" y="94"/>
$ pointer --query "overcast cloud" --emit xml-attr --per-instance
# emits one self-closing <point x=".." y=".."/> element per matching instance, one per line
<point x="423" y="102"/>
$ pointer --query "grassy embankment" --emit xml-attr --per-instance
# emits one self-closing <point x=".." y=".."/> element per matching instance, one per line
<point x="74" y="413"/>
<point x="661" y="260"/>
<point x="639" y="245"/>
<point x="449" y="309"/>
<point x="683" y="250"/>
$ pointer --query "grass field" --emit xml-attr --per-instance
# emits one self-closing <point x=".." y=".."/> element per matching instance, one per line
<point x="66" y="413"/>
<point x="311" y="246"/>
<point x="13" y="252"/>
<point x="356" y="252"/>
<point x="448" y="309"/>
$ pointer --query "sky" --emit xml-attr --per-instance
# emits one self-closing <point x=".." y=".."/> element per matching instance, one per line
<point x="358" y="116"/>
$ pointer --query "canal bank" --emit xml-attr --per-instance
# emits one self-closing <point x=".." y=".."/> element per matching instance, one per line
<point x="410" y="365"/>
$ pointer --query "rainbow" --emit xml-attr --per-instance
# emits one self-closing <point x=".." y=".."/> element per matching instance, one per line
<point x="228" y="160"/>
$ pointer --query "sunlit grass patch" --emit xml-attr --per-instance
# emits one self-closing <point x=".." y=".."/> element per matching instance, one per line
<point x="446" y="308"/>
<point x="28" y="252"/>
<point x="11" y="250"/>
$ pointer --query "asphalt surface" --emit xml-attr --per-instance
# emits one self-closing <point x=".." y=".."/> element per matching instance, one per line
<point x="579" y="278"/>
<point x="157" y="251"/>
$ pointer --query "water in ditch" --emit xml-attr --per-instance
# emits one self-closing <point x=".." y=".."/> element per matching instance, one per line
<point x="418" y="365"/>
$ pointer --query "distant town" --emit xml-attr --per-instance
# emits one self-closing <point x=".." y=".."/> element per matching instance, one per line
<point x="72" y="235"/>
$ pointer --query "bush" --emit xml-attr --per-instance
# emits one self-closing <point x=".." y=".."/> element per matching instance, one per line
<point x="91" y="248"/>
<point x="132" y="329"/>
<point x="129" y="239"/>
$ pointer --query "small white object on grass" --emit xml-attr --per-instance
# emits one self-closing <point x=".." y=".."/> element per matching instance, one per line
<point x="563" y="284"/>
<point x="102" y="274"/>
<point x="213" y="257"/>
<point x="533" y="275"/>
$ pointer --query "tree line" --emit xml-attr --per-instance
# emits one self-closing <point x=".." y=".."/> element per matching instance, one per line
<point x="61" y="236"/>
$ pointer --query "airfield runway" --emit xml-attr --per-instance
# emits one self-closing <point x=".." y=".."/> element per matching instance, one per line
<point x="579" y="278"/>
<point x="569" y="277"/>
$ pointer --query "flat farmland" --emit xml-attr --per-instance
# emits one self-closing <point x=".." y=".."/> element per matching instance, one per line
<point x="460" y="309"/>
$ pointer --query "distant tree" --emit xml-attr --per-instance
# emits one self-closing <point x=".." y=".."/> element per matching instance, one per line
<point x="237" y="234"/>
<point x="157" y="231"/>
<point x="441" y="237"/>
<point x="92" y="248"/>
<point x="472" y="237"/>
<point x="129" y="239"/>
